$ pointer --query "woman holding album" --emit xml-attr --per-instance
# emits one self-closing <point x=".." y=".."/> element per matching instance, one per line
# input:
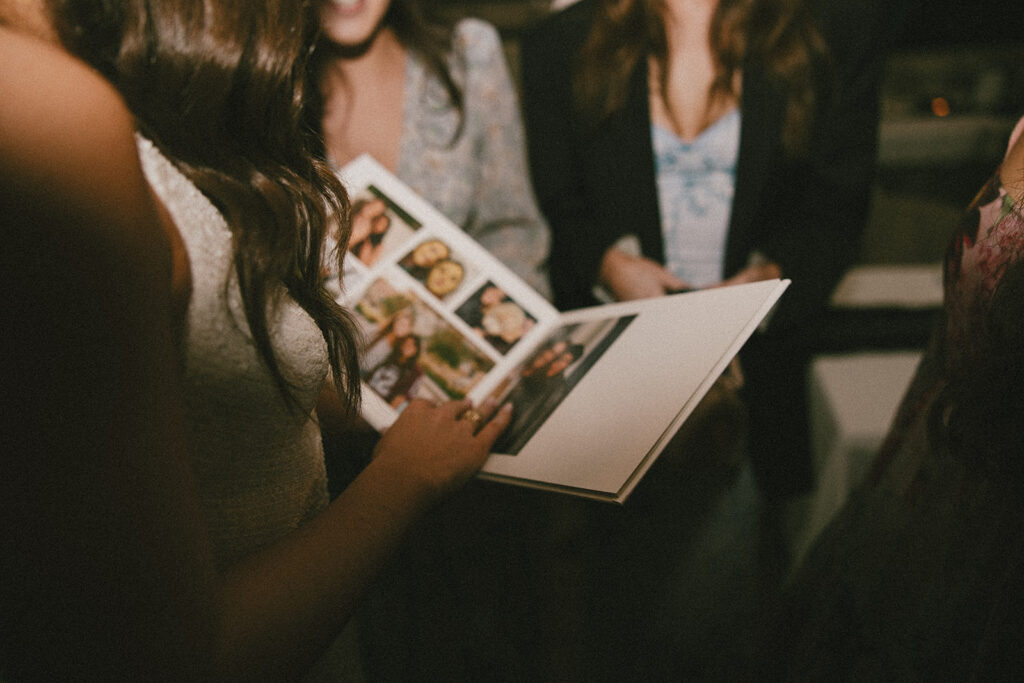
<point x="167" y="338"/>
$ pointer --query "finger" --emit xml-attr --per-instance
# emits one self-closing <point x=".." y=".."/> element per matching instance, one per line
<point x="475" y="418"/>
<point x="453" y="409"/>
<point x="493" y="428"/>
<point x="673" y="283"/>
<point x="769" y="271"/>
<point x="479" y="416"/>
<point x="416" y="406"/>
<point x="487" y="409"/>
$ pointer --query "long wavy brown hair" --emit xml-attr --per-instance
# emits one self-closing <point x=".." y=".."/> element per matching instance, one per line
<point x="219" y="86"/>
<point x="778" y="35"/>
<point x="429" y="35"/>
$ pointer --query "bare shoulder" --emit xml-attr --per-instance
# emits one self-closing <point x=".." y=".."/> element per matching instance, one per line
<point x="46" y="92"/>
<point x="67" y="133"/>
<point x="91" y="409"/>
<point x="76" y="212"/>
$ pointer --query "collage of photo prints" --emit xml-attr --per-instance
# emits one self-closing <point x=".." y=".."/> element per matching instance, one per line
<point x="442" y="319"/>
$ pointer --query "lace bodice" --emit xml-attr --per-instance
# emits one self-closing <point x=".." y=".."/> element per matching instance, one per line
<point x="259" y="463"/>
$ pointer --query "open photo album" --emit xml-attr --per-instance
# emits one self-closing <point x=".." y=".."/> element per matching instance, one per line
<point x="597" y="393"/>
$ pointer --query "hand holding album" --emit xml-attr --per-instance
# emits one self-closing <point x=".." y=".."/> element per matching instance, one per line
<point x="570" y="377"/>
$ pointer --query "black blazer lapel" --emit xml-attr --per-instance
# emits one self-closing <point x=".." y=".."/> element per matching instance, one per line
<point x="621" y="171"/>
<point x="760" y="119"/>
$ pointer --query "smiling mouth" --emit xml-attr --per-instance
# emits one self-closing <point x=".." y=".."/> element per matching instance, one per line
<point x="347" y="5"/>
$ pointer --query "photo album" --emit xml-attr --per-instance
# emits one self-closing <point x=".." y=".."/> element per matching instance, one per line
<point x="597" y="393"/>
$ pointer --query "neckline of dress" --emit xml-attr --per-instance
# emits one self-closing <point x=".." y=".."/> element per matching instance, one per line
<point x="722" y="120"/>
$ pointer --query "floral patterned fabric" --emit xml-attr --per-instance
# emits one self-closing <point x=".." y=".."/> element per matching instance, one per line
<point x="988" y="240"/>
<point x="921" y="575"/>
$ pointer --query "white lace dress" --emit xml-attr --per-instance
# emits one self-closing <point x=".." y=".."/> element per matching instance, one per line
<point x="259" y="463"/>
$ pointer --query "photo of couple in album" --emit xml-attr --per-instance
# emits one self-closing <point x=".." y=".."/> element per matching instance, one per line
<point x="537" y="387"/>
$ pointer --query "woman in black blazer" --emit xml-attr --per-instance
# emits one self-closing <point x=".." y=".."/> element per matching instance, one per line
<point x="802" y="174"/>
